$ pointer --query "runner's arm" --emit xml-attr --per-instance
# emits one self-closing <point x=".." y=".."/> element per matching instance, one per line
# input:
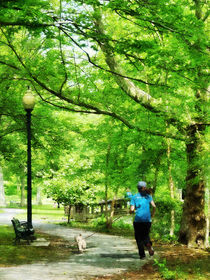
<point x="132" y="205"/>
<point x="132" y="209"/>
<point x="153" y="208"/>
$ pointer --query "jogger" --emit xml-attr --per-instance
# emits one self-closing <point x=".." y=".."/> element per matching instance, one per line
<point x="140" y="203"/>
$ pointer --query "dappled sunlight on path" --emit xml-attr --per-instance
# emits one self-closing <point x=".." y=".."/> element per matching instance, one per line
<point x="105" y="255"/>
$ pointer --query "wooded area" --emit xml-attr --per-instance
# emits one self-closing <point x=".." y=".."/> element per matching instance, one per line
<point x="121" y="95"/>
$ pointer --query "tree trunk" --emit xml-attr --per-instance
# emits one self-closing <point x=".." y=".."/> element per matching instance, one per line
<point x="171" y="186"/>
<point x="22" y="188"/>
<point x="106" y="183"/>
<point x="2" y="194"/>
<point x="157" y="168"/>
<point x="193" y="224"/>
<point x="38" y="196"/>
<point x="207" y="219"/>
<point x="69" y="213"/>
<point x="109" y="220"/>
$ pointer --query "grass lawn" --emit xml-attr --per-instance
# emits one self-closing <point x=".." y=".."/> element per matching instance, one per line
<point x="45" y="212"/>
<point x="24" y="254"/>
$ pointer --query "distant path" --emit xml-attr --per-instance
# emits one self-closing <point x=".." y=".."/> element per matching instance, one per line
<point x="105" y="255"/>
<point x="8" y="214"/>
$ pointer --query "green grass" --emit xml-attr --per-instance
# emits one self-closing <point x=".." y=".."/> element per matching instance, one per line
<point x="188" y="269"/>
<point x="197" y="268"/>
<point x="25" y="254"/>
<point x="45" y="212"/>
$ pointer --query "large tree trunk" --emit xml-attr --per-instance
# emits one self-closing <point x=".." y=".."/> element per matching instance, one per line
<point x="193" y="225"/>
<point x="2" y="194"/>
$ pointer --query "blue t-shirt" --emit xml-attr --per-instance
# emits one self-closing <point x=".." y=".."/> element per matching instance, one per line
<point x="142" y="206"/>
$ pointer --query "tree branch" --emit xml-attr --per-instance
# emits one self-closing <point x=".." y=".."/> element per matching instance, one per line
<point x="134" y="92"/>
<point x="94" y="110"/>
<point x="102" y="68"/>
<point x="10" y="65"/>
<point x="25" y="23"/>
<point x="10" y="131"/>
<point x="91" y="109"/>
<point x="62" y="55"/>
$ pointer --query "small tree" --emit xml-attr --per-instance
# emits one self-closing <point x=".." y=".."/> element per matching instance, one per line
<point x="68" y="194"/>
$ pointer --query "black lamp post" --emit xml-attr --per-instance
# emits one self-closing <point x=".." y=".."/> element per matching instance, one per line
<point x="29" y="103"/>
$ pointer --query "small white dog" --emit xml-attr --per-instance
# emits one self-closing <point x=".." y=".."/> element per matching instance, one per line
<point x="81" y="243"/>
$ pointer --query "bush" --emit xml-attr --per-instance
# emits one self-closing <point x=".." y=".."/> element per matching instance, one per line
<point x="166" y="204"/>
<point x="164" y="271"/>
<point x="162" y="222"/>
<point x="123" y="223"/>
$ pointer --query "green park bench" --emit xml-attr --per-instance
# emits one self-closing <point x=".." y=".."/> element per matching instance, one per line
<point x="22" y="231"/>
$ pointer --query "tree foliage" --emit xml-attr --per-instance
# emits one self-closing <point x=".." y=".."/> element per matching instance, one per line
<point x="143" y="63"/>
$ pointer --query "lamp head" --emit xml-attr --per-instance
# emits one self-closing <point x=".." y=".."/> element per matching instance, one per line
<point x="28" y="100"/>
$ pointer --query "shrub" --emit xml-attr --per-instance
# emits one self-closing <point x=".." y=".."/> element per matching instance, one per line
<point x="164" y="271"/>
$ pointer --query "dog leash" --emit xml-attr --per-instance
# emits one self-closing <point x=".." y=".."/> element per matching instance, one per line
<point x="97" y="232"/>
<point x="90" y="235"/>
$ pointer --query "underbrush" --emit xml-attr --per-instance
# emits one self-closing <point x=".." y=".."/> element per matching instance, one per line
<point x="123" y="226"/>
<point x="177" y="262"/>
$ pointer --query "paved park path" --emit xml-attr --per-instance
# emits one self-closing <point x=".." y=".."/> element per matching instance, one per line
<point x="105" y="255"/>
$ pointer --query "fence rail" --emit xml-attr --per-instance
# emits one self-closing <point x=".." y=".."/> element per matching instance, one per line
<point x="81" y="212"/>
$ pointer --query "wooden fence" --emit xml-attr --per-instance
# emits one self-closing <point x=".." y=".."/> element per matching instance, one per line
<point x="81" y="212"/>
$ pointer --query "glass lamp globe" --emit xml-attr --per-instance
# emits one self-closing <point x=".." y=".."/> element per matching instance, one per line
<point x="28" y="100"/>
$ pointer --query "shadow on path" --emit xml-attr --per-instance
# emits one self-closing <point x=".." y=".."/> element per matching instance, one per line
<point x="105" y="255"/>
